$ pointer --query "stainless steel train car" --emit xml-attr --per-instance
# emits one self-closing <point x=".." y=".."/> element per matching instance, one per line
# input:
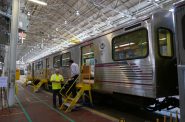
<point x="179" y="22"/>
<point x="136" y="60"/>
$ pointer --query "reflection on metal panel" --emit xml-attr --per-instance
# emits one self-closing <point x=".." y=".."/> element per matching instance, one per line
<point x="125" y="78"/>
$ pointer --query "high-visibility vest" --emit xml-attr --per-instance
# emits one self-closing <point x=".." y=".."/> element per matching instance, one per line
<point x="58" y="78"/>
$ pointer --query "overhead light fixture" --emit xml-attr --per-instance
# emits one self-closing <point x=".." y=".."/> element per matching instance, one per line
<point x="39" y="2"/>
<point x="172" y="9"/>
<point x="128" y="44"/>
<point x="65" y="22"/>
<point x="28" y="13"/>
<point x="77" y="13"/>
<point x="162" y="39"/>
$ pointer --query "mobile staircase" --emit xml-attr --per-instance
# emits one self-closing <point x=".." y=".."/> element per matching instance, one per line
<point x="36" y="87"/>
<point x="83" y="86"/>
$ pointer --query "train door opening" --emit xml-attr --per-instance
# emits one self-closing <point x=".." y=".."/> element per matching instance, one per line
<point x="47" y="68"/>
<point x="87" y="57"/>
<point x="33" y="70"/>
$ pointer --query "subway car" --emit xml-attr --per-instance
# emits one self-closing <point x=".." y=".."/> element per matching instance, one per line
<point x="136" y="62"/>
<point x="179" y="24"/>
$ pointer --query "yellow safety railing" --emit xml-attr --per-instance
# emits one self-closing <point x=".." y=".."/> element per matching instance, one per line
<point x="17" y="76"/>
<point x="164" y="119"/>
<point x="69" y="102"/>
<point x="122" y="120"/>
<point x="36" y="87"/>
<point x="67" y="94"/>
<point x="16" y="89"/>
<point x="170" y="119"/>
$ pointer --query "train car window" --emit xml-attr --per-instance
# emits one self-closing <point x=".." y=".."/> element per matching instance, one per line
<point x="39" y="65"/>
<point x="130" y="45"/>
<point x="65" y="59"/>
<point x="165" y="42"/>
<point x="56" y="61"/>
<point x="36" y="66"/>
<point x="183" y="30"/>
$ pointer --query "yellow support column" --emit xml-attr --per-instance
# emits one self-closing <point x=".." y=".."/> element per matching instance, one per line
<point x="17" y="74"/>
<point x="157" y="120"/>
<point x="170" y="117"/>
<point x="16" y="89"/>
<point x="164" y="118"/>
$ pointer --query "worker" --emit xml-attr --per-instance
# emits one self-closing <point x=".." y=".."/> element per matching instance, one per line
<point x="56" y="80"/>
<point x="74" y="75"/>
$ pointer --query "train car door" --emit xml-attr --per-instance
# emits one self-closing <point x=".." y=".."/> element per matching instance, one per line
<point x="87" y="57"/>
<point x="47" y="68"/>
<point x="33" y="65"/>
<point x="179" y="17"/>
<point x="180" y="34"/>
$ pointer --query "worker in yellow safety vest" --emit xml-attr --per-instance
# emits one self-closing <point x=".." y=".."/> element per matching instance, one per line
<point x="56" y="80"/>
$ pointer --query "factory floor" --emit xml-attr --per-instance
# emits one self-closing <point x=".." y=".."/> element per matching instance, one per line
<point x="37" y="107"/>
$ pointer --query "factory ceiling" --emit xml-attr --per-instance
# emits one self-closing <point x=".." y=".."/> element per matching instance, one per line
<point x="62" y="23"/>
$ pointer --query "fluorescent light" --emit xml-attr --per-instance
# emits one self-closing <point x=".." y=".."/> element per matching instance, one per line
<point x="65" y="22"/>
<point x="77" y="13"/>
<point x="172" y="9"/>
<point x="144" y="43"/>
<point x="88" y="53"/>
<point x="124" y="45"/>
<point x="28" y="13"/>
<point x="65" y="59"/>
<point x="162" y="39"/>
<point x="39" y="2"/>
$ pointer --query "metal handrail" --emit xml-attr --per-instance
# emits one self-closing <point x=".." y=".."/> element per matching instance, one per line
<point x="66" y="83"/>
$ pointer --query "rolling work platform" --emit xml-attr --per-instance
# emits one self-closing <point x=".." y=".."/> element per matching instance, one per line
<point x="37" y="107"/>
<point x="83" y="86"/>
